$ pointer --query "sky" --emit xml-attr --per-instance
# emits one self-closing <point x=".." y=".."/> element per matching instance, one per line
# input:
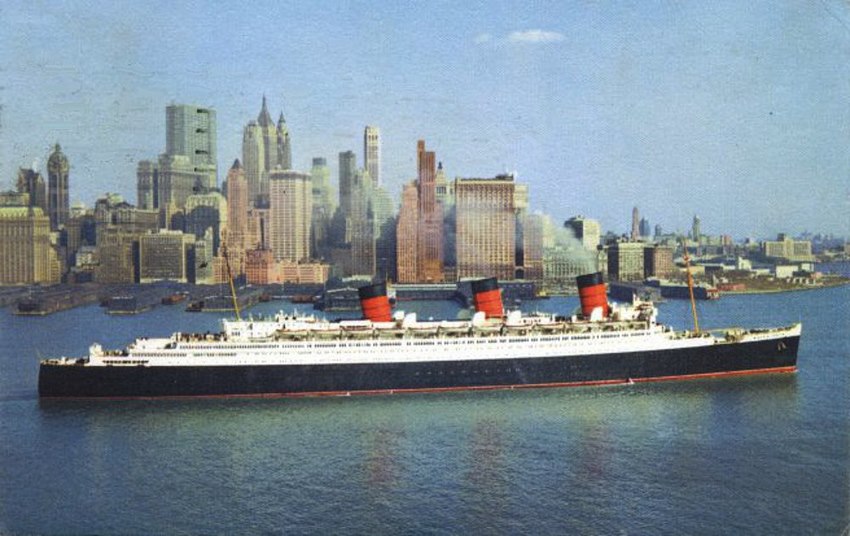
<point x="734" y="111"/>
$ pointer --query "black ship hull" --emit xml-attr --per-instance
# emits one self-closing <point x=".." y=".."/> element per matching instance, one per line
<point x="776" y="355"/>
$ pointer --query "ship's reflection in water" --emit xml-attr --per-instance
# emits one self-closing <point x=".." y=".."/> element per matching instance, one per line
<point x="382" y="459"/>
<point x="465" y="460"/>
<point x="484" y="492"/>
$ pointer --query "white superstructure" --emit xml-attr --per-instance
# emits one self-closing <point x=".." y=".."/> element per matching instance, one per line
<point x="308" y="340"/>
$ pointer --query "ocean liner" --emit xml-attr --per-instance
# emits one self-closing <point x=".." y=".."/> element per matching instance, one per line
<point x="292" y="355"/>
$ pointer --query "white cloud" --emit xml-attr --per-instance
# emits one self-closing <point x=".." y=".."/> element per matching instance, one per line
<point x="535" y="36"/>
<point x="483" y="38"/>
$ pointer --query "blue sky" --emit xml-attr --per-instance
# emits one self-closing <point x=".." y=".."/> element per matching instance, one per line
<point x="736" y="111"/>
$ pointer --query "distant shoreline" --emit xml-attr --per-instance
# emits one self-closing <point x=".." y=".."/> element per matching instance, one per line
<point x="778" y="290"/>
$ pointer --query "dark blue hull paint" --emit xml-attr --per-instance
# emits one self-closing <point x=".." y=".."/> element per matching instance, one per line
<point x="141" y="381"/>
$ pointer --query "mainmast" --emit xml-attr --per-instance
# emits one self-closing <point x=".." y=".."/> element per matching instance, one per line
<point x="690" y="285"/>
<point x="230" y="279"/>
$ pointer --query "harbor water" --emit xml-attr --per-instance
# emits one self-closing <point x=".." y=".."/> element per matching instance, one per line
<point x="742" y="455"/>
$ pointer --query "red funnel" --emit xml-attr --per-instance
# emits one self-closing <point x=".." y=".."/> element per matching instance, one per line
<point x="592" y="293"/>
<point x="487" y="297"/>
<point x="375" y="303"/>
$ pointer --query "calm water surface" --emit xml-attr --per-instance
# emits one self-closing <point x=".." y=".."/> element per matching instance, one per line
<point x="763" y="454"/>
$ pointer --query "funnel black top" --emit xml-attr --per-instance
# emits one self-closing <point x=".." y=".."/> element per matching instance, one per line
<point x="589" y="280"/>
<point x="483" y="285"/>
<point x="372" y="291"/>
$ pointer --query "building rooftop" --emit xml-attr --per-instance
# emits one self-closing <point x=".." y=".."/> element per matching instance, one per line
<point x="12" y="213"/>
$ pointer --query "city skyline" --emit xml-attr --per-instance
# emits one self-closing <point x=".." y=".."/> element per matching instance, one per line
<point x="732" y="113"/>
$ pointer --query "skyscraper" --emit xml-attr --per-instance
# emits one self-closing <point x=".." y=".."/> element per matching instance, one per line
<point x="31" y="182"/>
<point x="237" y="209"/>
<point x="253" y="159"/>
<point x="407" y="233"/>
<point x="446" y="198"/>
<point x="206" y="211"/>
<point x="290" y="211"/>
<point x="323" y="208"/>
<point x="486" y="212"/>
<point x="265" y="147"/>
<point x="644" y="228"/>
<point x="347" y="170"/>
<point x="635" y="224"/>
<point x="658" y="261"/>
<point x="164" y="256"/>
<point x="115" y="252"/>
<point x="176" y="181"/>
<point x="372" y="153"/>
<point x="284" y="147"/>
<point x="57" y="188"/>
<point x="625" y="261"/>
<point x="26" y="255"/>
<point x="586" y="230"/>
<point x="382" y="211"/>
<point x="147" y="185"/>
<point x="430" y="243"/>
<point x="360" y="226"/>
<point x="190" y="131"/>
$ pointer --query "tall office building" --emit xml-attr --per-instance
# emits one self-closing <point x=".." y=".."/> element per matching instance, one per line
<point x="446" y="198"/>
<point x="407" y="233"/>
<point x="258" y="228"/>
<point x="290" y="211"/>
<point x="635" y="224"/>
<point x="586" y="230"/>
<point x="323" y="209"/>
<point x="625" y="261"/>
<point x="430" y="244"/>
<point x="360" y="226"/>
<point x="147" y="185"/>
<point x="165" y="256"/>
<point x="265" y="147"/>
<point x="382" y="212"/>
<point x="486" y="216"/>
<point x="57" y="188"/>
<point x="443" y="188"/>
<point x="190" y="131"/>
<point x="116" y="250"/>
<point x="31" y="182"/>
<point x="658" y="261"/>
<point x="253" y="160"/>
<point x="644" y="228"/>
<point x="237" y="209"/>
<point x="354" y="231"/>
<point x="26" y="254"/>
<point x="176" y="181"/>
<point x="284" y="147"/>
<point x="347" y="171"/>
<point x="372" y="153"/>
<point x="419" y="230"/>
<point x="696" y="233"/>
<point x="206" y="212"/>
